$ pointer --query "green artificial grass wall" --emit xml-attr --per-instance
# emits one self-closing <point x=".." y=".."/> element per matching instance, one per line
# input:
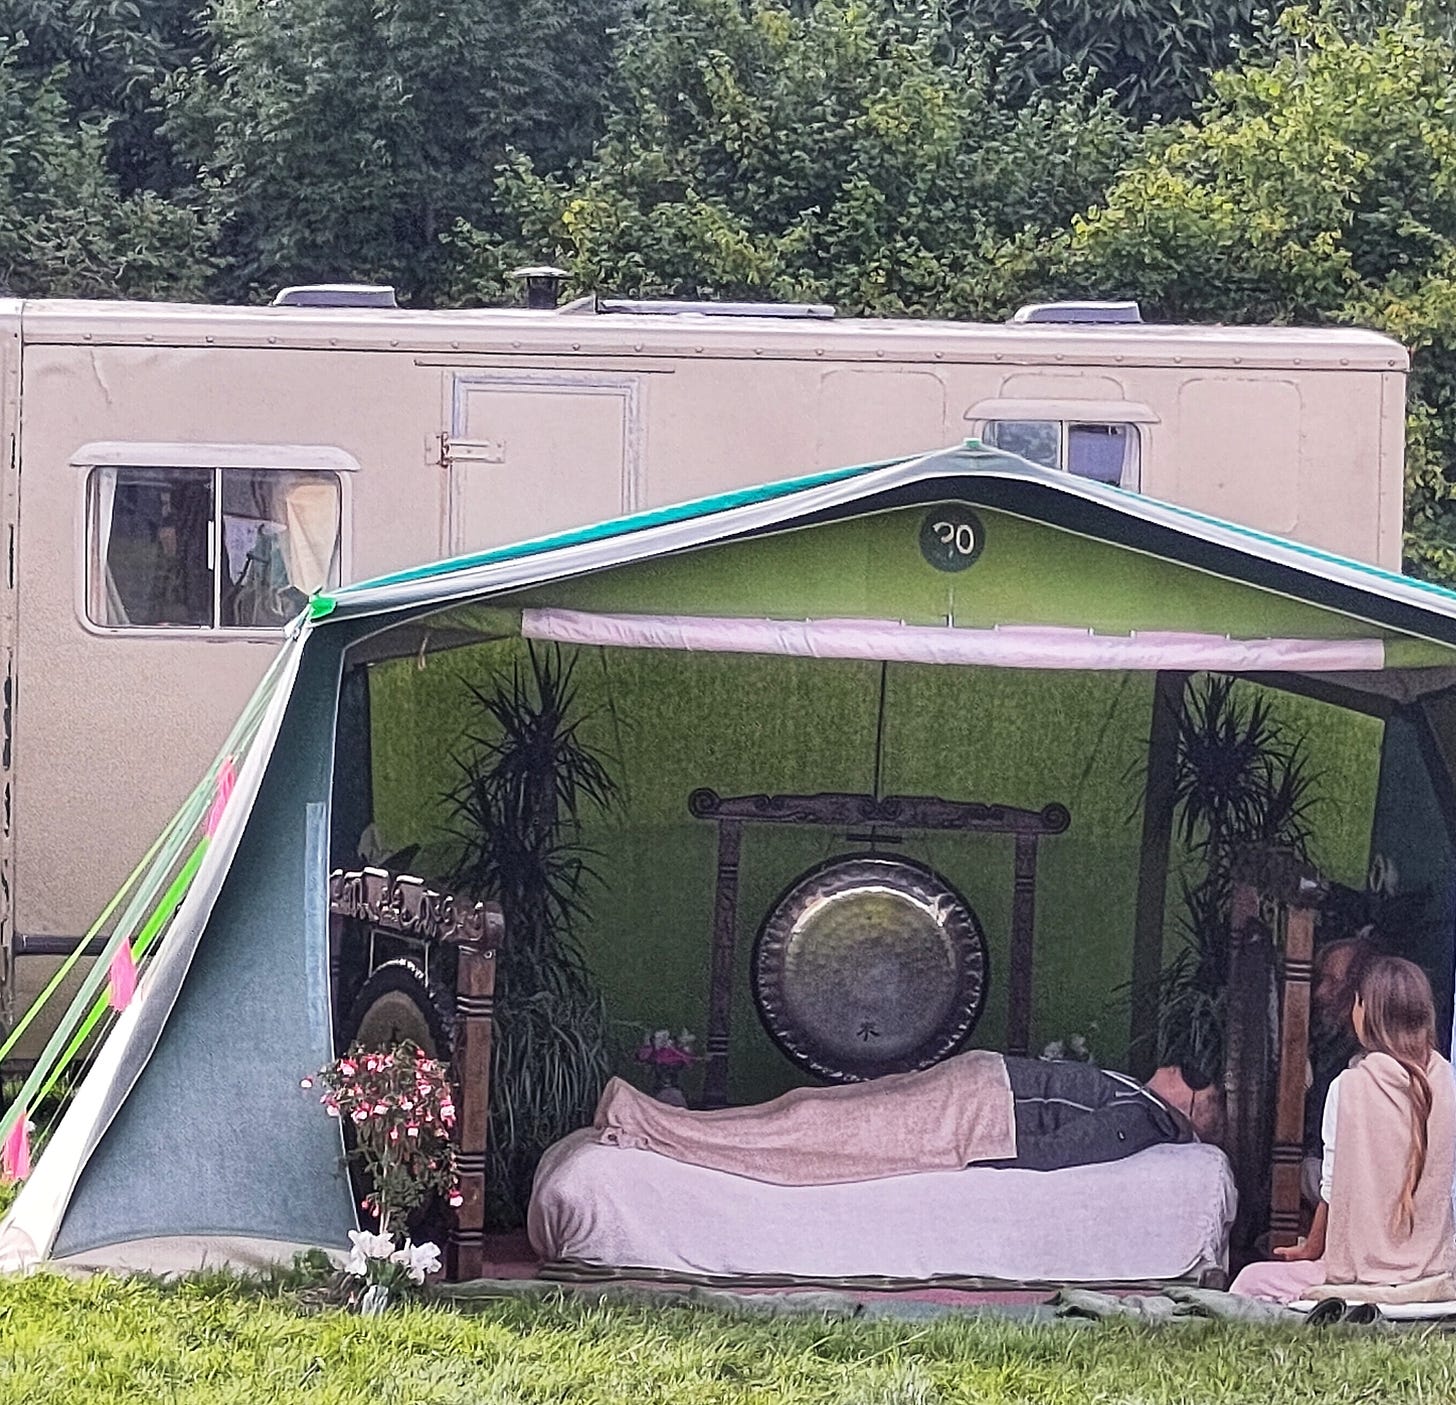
<point x="744" y="724"/>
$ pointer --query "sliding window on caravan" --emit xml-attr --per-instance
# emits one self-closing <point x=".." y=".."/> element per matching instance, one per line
<point x="192" y="547"/>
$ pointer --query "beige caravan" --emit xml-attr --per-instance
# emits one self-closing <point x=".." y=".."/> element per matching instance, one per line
<point x="178" y="480"/>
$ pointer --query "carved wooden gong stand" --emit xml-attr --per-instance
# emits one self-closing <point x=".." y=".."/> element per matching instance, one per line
<point x="839" y="810"/>
<point x="1275" y="894"/>
<point x="407" y="906"/>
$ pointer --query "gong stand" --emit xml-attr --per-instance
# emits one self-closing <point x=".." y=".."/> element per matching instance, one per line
<point x="404" y="906"/>
<point x="839" y="811"/>
<point x="1274" y="894"/>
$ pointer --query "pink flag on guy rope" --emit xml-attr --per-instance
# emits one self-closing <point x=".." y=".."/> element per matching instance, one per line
<point x="122" y="975"/>
<point x="15" y="1156"/>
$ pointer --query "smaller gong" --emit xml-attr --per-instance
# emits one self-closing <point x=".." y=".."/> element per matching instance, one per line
<point x="868" y="965"/>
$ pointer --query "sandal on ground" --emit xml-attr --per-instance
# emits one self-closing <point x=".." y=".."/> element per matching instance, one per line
<point x="1327" y="1312"/>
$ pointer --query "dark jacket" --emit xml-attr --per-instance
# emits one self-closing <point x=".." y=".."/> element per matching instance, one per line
<point x="1075" y="1114"/>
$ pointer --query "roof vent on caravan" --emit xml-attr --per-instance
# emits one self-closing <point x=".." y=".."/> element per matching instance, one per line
<point x="668" y="307"/>
<point x="543" y="285"/>
<point x="1086" y="314"/>
<point x="337" y="295"/>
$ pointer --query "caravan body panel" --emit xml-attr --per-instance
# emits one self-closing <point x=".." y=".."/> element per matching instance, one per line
<point x="447" y="432"/>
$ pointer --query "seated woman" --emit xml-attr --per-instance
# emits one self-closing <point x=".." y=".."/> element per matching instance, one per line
<point x="1382" y="1231"/>
<point x="977" y="1108"/>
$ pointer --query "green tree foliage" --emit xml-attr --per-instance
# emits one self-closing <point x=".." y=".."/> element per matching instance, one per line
<point x="111" y="59"/>
<point x="66" y="230"/>
<point x="338" y="139"/>
<point x="1154" y="56"/>
<point x="1318" y="184"/>
<point x="851" y="153"/>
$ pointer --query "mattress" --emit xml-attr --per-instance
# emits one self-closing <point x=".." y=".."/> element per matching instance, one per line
<point x="1160" y="1215"/>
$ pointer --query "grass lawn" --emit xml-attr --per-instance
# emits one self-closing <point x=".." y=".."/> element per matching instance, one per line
<point x="212" y="1341"/>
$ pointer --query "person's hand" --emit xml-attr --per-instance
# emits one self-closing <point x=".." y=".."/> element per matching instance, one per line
<point x="1303" y="1252"/>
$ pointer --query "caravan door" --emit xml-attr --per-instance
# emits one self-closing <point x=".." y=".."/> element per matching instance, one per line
<point x="533" y="452"/>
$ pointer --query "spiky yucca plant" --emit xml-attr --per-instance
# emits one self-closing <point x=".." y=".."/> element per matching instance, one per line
<point x="527" y="778"/>
<point x="1242" y="779"/>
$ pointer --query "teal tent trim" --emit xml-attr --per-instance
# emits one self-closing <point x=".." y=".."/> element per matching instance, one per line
<point x="974" y="475"/>
<point x="615" y="527"/>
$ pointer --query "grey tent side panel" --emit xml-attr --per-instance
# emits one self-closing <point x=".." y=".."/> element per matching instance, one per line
<point x="217" y="1137"/>
<point x="1411" y="824"/>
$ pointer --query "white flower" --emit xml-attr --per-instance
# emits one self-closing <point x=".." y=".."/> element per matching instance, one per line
<point x="367" y="1246"/>
<point x="417" y="1259"/>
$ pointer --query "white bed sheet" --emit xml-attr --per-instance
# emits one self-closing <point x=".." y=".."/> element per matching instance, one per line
<point x="1162" y="1214"/>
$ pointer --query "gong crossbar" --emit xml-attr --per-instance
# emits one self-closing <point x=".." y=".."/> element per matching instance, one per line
<point x="843" y="809"/>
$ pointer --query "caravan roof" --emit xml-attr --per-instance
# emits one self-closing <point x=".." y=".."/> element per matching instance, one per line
<point x="572" y="329"/>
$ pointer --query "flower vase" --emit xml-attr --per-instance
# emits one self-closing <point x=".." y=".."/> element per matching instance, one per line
<point x="374" y="1301"/>
<point x="666" y="1088"/>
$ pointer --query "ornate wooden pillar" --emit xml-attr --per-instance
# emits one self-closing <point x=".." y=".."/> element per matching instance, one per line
<point x="1288" y="1158"/>
<point x="1268" y="1038"/>
<point x="1248" y="1055"/>
<point x="1023" y="947"/>
<point x="720" y="988"/>
<point x="474" y="1015"/>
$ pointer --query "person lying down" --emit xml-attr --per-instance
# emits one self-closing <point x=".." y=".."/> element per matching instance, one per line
<point x="977" y="1108"/>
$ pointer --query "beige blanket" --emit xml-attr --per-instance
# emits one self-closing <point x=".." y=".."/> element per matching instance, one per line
<point x="939" y="1119"/>
<point x="1367" y="1255"/>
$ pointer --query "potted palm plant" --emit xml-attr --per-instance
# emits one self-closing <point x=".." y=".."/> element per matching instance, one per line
<point x="527" y="779"/>
<point x="1242" y="780"/>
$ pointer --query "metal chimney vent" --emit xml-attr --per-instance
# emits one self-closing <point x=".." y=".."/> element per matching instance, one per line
<point x="337" y="295"/>
<point x="544" y="283"/>
<point x="1087" y="314"/>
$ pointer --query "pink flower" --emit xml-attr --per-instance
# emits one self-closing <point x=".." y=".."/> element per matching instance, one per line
<point x="305" y="1083"/>
<point x="456" y="1198"/>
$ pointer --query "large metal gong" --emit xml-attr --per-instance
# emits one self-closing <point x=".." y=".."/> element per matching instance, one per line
<point x="868" y="965"/>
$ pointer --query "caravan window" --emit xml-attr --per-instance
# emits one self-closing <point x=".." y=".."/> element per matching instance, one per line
<point x="206" y="548"/>
<point x="1106" y="453"/>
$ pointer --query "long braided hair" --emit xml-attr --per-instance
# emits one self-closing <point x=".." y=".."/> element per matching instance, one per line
<point x="1400" y="1020"/>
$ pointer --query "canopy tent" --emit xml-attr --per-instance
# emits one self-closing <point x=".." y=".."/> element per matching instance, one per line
<point x="189" y="1141"/>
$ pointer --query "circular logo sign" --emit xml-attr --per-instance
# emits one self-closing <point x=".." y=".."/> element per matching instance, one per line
<point x="951" y="537"/>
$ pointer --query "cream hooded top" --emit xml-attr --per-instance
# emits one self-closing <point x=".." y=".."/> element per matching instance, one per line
<point x="1368" y="1255"/>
